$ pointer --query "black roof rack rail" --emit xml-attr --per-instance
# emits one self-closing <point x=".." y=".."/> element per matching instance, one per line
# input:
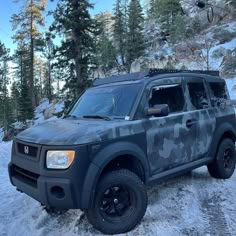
<point x="148" y="73"/>
<point x="153" y="72"/>
<point x="118" y="78"/>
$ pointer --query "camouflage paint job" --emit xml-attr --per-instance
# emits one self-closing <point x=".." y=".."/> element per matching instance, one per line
<point x="167" y="141"/>
<point x="161" y="144"/>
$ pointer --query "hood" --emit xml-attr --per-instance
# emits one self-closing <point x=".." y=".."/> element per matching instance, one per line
<point x="73" y="132"/>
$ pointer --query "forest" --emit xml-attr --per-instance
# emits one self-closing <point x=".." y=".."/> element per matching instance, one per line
<point x="78" y="47"/>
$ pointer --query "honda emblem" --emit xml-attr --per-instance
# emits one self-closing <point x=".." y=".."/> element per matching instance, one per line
<point x="26" y="149"/>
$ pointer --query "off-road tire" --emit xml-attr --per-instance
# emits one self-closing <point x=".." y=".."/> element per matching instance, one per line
<point x="134" y="196"/>
<point x="223" y="167"/>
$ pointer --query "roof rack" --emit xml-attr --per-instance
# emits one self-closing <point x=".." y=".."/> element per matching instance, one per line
<point x="153" y="72"/>
<point x="148" y="73"/>
<point x="118" y="78"/>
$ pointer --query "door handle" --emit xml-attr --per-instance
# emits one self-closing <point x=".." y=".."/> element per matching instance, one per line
<point x="190" y="123"/>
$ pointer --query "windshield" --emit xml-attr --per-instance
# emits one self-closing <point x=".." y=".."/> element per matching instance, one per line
<point x="111" y="101"/>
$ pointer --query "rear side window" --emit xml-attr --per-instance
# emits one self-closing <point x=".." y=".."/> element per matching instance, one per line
<point x="198" y="95"/>
<point x="172" y="95"/>
<point x="219" y="94"/>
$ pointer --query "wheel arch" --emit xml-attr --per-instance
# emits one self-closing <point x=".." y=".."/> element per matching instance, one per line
<point x="126" y="155"/>
<point x="224" y="131"/>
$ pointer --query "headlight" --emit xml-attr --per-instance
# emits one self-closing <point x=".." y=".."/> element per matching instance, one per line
<point x="59" y="159"/>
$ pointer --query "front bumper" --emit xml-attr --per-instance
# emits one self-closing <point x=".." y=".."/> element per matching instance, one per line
<point x="54" y="192"/>
<point x="55" y="188"/>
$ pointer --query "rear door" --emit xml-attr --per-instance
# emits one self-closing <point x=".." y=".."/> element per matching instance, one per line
<point x="203" y="116"/>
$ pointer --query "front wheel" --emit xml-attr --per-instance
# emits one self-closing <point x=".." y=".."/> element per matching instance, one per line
<point x="224" y="164"/>
<point x="120" y="203"/>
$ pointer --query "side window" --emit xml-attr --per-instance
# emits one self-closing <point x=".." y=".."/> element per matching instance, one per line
<point x="172" y="95"/>
<point x="219" y="94"/>
<point x="198" y="95"/>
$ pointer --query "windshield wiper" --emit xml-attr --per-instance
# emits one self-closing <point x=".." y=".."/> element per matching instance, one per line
<point x="97" y="117"/>
<point x="70" y="116"/>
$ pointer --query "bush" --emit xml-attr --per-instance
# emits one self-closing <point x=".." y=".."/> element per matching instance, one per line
<point x="218" y="53"/>
<point x="224" y="36"/>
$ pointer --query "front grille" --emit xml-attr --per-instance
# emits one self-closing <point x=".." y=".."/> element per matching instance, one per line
<point x="27" y="150"/>
<point x="25" y="176"/>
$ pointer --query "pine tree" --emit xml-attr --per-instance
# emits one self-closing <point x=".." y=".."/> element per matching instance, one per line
<point x="136" y="43"/>
<point x="5" y="101"/>
<point x="77" y="50"/>
<point x="27" y="22"/>
<point x="196" y="25"/>
<point x="120" y="32"/>
<point x="48" y="52"/>
<point x="25" y="106"/>
<point x="178" y="29"/>
<point x="40" y="81"/>
<point x="15" y="96"/>
<point x="106" y="57"/>
<point x="152" y="9"/>
<point x="167" y="12"/>
<point x="21" y="59"/>
<point x="169" y="65"/>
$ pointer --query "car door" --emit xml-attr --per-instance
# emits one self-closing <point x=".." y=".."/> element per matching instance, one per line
<point x="203" y="115"/>
<point x="169" y="139"/>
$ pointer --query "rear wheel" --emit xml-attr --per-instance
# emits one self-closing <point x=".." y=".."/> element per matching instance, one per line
<point x="225" y="160"/>
<point x="120" y="203"/>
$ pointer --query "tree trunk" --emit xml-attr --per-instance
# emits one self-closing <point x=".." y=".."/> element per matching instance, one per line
<point x="78" y="68"/>
<point x="31" y="79"/>
<point x="49" y="81"/>
<point x="21" y="68"/>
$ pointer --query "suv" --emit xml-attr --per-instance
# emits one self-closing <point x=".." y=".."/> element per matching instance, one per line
<point x="122" y="134"/>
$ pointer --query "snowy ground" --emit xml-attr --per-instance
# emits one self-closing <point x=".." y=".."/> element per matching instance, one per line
<point x="194" y="204"/>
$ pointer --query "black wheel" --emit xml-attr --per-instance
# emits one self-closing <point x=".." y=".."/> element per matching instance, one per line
<point x="225" y="160"/>
<point x="120" y="203"/>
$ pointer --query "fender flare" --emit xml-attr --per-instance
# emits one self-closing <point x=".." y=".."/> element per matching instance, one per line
<point x="100" y="161"/>
<point x="226" y="127"/>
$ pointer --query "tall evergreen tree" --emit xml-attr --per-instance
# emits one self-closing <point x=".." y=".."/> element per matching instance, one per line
<point x="15" y="96"/>
<point x="120" y="32"/>
<point x="27" y="23"/>
<point x="167" y="12"/>
<point x="106" y="57"/>
<point x="73" y="21"/>
<point x="136" y="43"/>
<point x="196" y="26"/>
<point x="20" y="88"/>
<point x="25" y="106"/>
<point x="152" y="9"/>
<point x="48" y="52"/>
<point x="5" y="102"/>
<point x="178" y="29"/>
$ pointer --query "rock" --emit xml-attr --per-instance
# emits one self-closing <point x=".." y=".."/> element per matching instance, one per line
<point x="135" y="66"/>
<point x="49" y="112"/>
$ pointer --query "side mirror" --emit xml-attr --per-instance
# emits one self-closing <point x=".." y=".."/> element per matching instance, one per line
<point x="158" y="110"/>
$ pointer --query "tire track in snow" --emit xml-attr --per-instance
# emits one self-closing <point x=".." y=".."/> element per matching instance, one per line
<point x="213" y="214"/>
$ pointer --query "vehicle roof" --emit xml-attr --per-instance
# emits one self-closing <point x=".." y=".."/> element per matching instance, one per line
<point x="148" y="76"/>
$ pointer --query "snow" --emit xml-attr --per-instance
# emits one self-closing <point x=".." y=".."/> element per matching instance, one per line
<point x="215" y="64"/>
<point x="193" y="204"/>
<point x="56" y="106"/>
<point x="231" y="83"/>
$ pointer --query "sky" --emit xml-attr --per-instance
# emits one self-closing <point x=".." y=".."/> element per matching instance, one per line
<point x="8" y="8"/>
